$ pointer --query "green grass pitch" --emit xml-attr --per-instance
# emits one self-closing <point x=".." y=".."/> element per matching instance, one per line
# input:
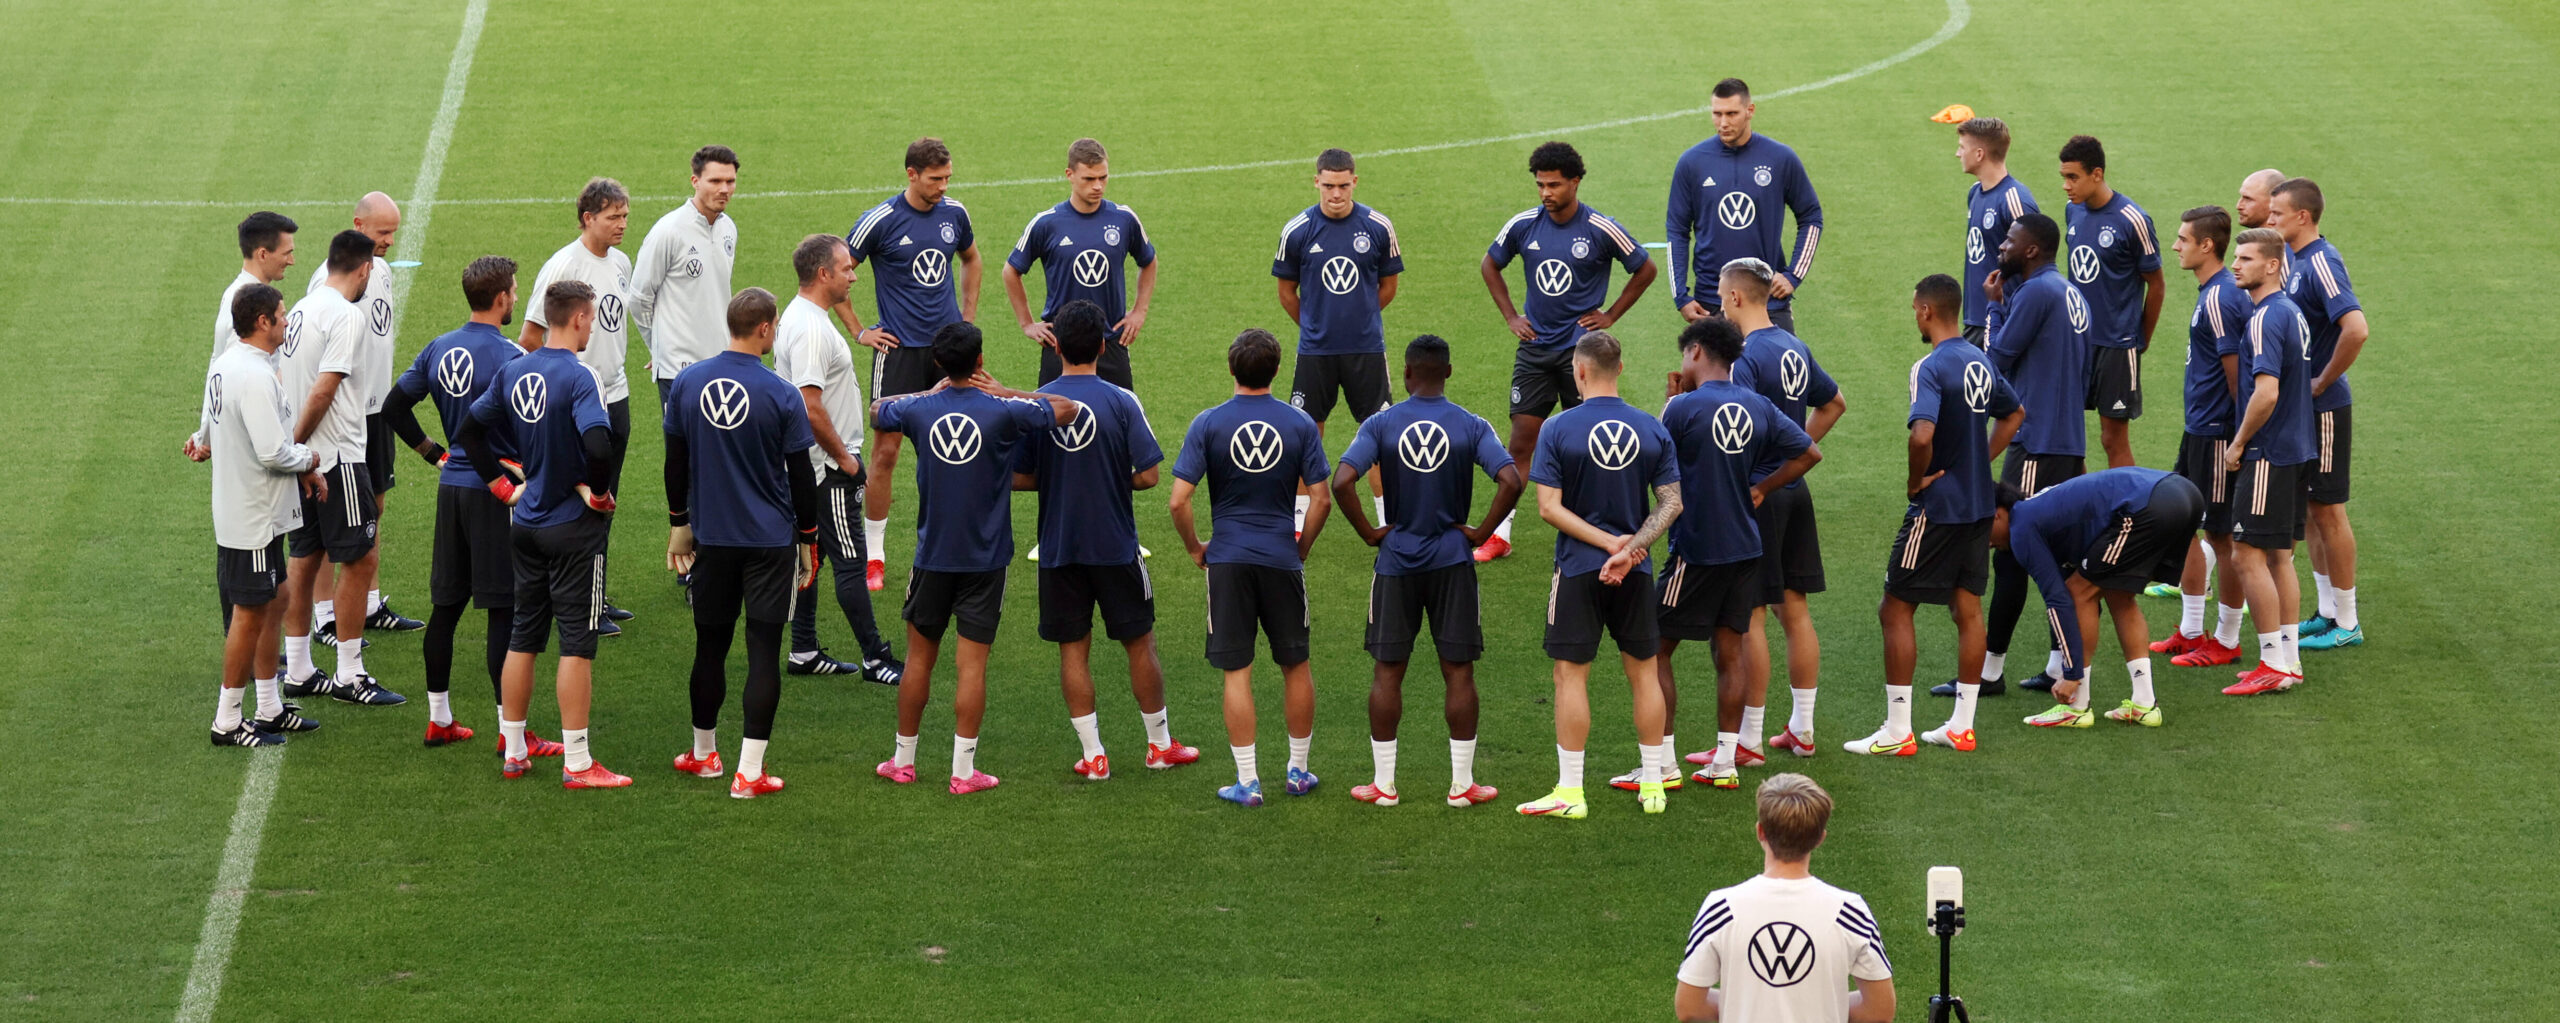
<point x="2377" y="842"/>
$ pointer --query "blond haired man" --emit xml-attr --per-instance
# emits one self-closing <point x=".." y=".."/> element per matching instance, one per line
<point x="1784" y="946"/>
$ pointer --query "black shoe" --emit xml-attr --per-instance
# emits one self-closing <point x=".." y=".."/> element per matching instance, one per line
<point x="816" y="662"/>
<point x="318" y="684"/>
<point x="616" y="613"/>
<point x="606" y="627"/>
<point x="882" y="671"/>
<point x="325" y="632"/>
<point x="364" y="691"/>
<point x="245" y="735"/>
<point x="385" y="619"/>
<point x="2040" y="683"/>
<point x="289" y="719"/>
<point x="1995" y="687"/>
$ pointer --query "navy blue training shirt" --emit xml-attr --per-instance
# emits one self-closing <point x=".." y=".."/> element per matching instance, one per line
<point x="1254" y="450"/>
<point x="2319" y="287"/>
<point x="964" y="441"/>
<point x="1777" y="364"/>
<point x="452" y="371"/>
<point x="2111" y="248"/>
<point x="1082" y="470"/>
<point x="2050" y="533"/>
<point x="1723" y="432"/>
<point x="1725" y="204"/>
<point x="2280" y="346"/>
<point x="1955" y="388"/>
<point x="1338" y="265"/>
<point x="2040" y="342"/>
<point x="742" y="423"/>
<point x="1423" y="448"/>
<point x="1084" y="255"/>
<point x="1987" y="216"/>
<point x="1606" y="456"/>
<point x="542" y="404"/>
<point x="1567" y="267"/>
<point x="2221" y="316"/>
<point x="913" y="257"/>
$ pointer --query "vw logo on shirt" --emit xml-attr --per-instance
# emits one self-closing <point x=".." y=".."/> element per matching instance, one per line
<point x="1341" y="275"/>
<point x="1736" y="211"/>
<point x="531" y="396"/>
<point x="213" y="395"/>
<point x="1424" y="445"/>
<point x="1793" y="374"/>
<point x="1078" y="433"/>
<point x="955" y="438"/>
<point x="724" y="403"/>
<point x="930" y="267"/>
<point x="1613" y="444"/>
<point x="2084" y="264"/>
<point x="1781" y="954"/>
<point x="1977" y="387"/>
<point x="1732" y="428"/>
<point x="1973" y="251"/>
<point x="1092" y="268"/>
<point x="1255" y="447"/>
<point x="2077" y="306"/>
<point x="292" y="334"/>
<point x="379" y="317"/>
<point x="1554" y="277"/>
<point x="609" y="314"/>
<point x="453" y="371"/>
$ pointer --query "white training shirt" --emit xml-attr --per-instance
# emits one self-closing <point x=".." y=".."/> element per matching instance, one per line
<point x="1784" y="950"/>
<point x="680" y="289"/>
<point x="808" y="351"/>
<point x="380" y="347"/>
<point x="327" y="334"/>
<point x="254" y="457"/>
<point x="223" y="335"/>
<point x="609" y="343"/>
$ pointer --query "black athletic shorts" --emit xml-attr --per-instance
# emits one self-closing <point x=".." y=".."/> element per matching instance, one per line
<point x="2115" y="383"/>
<point x="249" y="578"/>
<point x="1696" y="600"/>
<point x="934" y="598"/>
<point x="1542" y="381"/>
<point x="2325" y="482"/>
<point x="840" y="514"/>
<point x="617" y="423"/>
<point x="2267" y="506"/>
<point x="1977" y="335"/>
<point x="757" y="580"/>
<point x="1579" y="608"/>
<point x="1397" y="604"/>
<point x="2148" y="546"/>
<point x="903" y="370"/>
<point x="2200" y="461"/>
<point x="559" y="576"/>
<point x="381" y="452"/>
<point x="1113" y="366"/>
<point x="1069" y="594"/>
<point x="1790" y="546"/>
<point x="344" y="524"/>
<point x="1361" y="380"/>
<point x="1243" y="597"/>
<point x="1931" y="560"/>
<point x="474" y="559"/>
<point x="2033" y="474"/>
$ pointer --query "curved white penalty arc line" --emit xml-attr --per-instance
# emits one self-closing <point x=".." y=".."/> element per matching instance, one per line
<point x="1959" y="14"/>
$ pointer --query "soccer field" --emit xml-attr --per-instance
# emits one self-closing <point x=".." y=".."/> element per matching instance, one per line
<point x="2375" y="842"/>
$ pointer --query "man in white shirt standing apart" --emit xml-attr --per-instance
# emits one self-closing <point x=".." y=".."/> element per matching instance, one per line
<point x="1784" y="947"/>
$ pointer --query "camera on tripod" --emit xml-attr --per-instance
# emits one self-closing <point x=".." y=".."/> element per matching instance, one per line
<point x="1946" y="920"/>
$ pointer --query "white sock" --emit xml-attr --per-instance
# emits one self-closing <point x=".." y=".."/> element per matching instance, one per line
<point x="372" y="601"/>
<point x="1655" y="760"/>
<point x="751" y="759"/>
<point x="706" y="741"/>
<point x="1752" y="719"/>
<point x="2191" y="613"/>
<point x="1089" y="732"/>
<point x="2141" y="671"/>
<point x="1968" y="695"/>
<point x="324" y="610"/>
<point x="440" y="708"/>
<point x="1382" y="755"/>
<point x="2226" y="625"/>
<point x="2293" y="647"/>
<point x="1725" y="741"/>
<point x="1462" y="764"/>
<point x="964" y="757"/>
<point x="2053" y="663"/>
<point x="270" y="697"/>
<point x="574" y="743"/>
<point x="501" y="715"/>
<point x="875" y="537"/>
<point x="2271" y="649"/>
<point x="512" y="733"/>
<point x="1378" y="510"/>
<point x="1504" y="530"/>
<point x="2210" y="560"/>
<point x="350" y="661"/>
<point x="297" y="657"/>
<point x="2346" y="598"/>
<point x="2080" y="698"/>
<point x="905" y="755"/>
<point x="1800" y="716"/>
<point x="1671" y="742"/>
<point x="1897" y="710"/>
<point x="1298" y="746"/>
<point x="2327" y="602"/>
<point x="1993" y="665"/>
<point x="1568" y="768"/>
<point x="226" y="711"/>
<point x="1159" y="733"/>
<point x="1300" y="519"/>
<point x="1246" y="769"/>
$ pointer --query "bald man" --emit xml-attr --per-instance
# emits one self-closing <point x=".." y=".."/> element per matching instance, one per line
<point x="2255" y="191"/>
<point x="379" y="218"/>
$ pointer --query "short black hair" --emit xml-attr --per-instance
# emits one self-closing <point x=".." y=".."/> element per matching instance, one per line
<point x="1253" y="358"/>
<point x="264" y="229"/>
<point x="1427" y="350"/>
<point x="1721" y="339"/>
<point x="563" y="299"/>
<point x="485" y="279"/>
<point x="2301" y="194"/>
<point x="811" y="256"/>
<point x="750" y="309"/>
<point x="1333" y="160"/>
<point x="709" y="155"/>
<point x="1079" y="328"/>
<point x="1732" y="87"/>
<point x="2008" y="495"/>
<point x="349" y="250"/>
<point x="2085" y="151"/>
<point x="2046" y="233"/>
<point x="927" y="153"/>
<point x="253" y="301"/>
<point x="955" y="350"/>
<point x="1559" y="157"/>
<point x="1941" y="294"/>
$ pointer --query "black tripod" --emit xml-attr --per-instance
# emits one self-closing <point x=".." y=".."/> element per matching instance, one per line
<point x="1943" y="922"/>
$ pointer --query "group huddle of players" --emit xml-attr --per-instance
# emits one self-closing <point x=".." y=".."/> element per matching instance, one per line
<point x="765" y="474"/>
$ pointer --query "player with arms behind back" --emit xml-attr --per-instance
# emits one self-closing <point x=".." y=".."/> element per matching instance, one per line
<point x="1337" y="268"/>
<point x="1784" y="947"/>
